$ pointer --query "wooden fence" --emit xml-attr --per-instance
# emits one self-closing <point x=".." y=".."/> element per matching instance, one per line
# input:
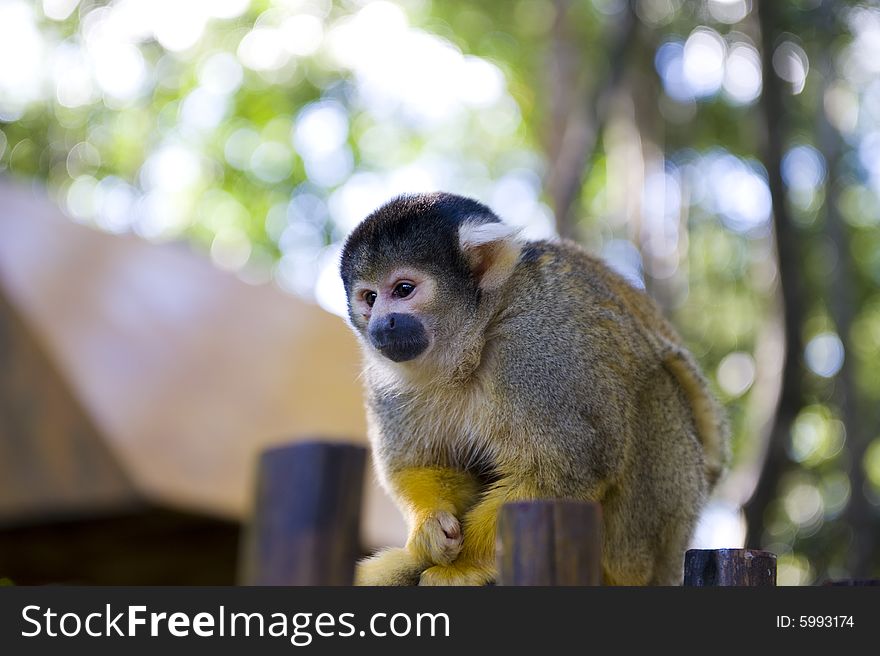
<point x="304" y="531"/>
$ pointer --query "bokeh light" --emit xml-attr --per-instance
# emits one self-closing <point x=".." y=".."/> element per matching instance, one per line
<point x="824" y="354"/>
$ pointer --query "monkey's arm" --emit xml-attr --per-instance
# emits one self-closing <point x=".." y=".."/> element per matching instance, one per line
<point x="475" y="564"/>
<point x="433" y="499"/>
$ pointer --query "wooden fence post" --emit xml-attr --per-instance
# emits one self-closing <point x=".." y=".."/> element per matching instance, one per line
<point x="729" y="567"/>
<point x="305" y="523"/>
<point x="550" y="543"/>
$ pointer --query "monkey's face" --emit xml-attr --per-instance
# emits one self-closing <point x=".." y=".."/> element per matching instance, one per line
<point x="415" y="271"/>
<point x="393" y="313"/>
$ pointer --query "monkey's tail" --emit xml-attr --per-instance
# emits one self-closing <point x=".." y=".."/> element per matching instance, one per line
<point x="711" y="425"/>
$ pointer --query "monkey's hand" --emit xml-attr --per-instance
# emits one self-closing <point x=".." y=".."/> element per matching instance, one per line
<point x="436" y="537"/>
<point x="469" y="568"/>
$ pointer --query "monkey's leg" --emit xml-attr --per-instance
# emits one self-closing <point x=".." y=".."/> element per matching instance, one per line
<point x="475" y="564"/>
<point x="433" y="498"/>
<point x="393" y="566"/>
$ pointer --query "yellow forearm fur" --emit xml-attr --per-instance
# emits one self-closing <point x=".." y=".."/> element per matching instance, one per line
<point x="423" y="490"/>
<point x="481" y="521"/>
<point x="475" y="564"/>
<point x="434" y="499"/>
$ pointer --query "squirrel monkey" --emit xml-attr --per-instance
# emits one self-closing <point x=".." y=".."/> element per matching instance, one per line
<point x="504" y="370"/>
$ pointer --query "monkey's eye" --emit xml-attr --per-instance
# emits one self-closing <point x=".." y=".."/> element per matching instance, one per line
<point x="369" y="297"/>
<point x="404" y="289"/>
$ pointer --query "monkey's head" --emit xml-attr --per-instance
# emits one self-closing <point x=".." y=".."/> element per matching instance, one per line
<point x="417" y="273"/>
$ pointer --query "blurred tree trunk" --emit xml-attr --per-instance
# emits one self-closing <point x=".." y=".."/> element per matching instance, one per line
<point x="643" y="87"/>
<point x="843" y="287"/>
<point x="577" y="108"/>
<point x="790" y="283"/>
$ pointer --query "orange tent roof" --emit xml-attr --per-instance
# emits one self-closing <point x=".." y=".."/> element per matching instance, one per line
<point x="185" y="370"/>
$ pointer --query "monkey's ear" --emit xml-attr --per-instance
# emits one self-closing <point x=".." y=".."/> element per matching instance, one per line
<point x="492" y="249"/>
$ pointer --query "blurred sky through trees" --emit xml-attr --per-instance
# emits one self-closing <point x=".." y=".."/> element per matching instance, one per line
<point x="263" y="131"/>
